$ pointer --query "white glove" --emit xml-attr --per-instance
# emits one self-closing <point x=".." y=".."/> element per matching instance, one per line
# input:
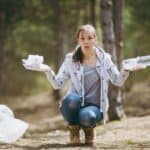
<point x="35" y="63"/>
<point x="132" y="64"/>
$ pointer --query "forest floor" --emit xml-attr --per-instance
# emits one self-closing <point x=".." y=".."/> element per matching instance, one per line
<point x="48" y="130"/>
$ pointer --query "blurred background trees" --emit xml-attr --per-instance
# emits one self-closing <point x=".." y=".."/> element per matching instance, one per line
<point x="47" y="27"/>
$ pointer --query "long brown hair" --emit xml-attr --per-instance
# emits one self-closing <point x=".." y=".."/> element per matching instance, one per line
<point x="78" y="55"/>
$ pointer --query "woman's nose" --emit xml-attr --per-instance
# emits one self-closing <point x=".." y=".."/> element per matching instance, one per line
<point x="86" y="41"/>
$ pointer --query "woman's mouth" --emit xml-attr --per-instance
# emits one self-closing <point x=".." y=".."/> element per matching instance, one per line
<point x="86" y="46"/>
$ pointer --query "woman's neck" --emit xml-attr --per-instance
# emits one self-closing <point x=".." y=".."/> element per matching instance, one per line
<point x="89" y="54"/>
<point x="90" y="58"/>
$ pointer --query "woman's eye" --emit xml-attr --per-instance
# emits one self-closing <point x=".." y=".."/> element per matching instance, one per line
<point x="89" y="38"/>
<point x="82" y="38"/>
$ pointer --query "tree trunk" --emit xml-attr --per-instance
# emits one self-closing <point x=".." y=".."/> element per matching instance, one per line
<point x="107" y="28"/>
<point x="118" y="31"/>
<point x="92" y="11"/>
<point x="118" y="27"/>
<point x="59" y="33"/>
<point x="115" y="110"/>
<point x="1" y="64"/>
<point x="2" y="39"/>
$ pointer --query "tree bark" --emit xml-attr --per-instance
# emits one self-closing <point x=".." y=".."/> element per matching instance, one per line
<point x="2" y="39"/>
<point x="118" y="6"/>
<point x="1" y="63"/>
<point x="110" y="39"/>
<point x="58" y="42"/>
<point x="118" y="27"/>
<point x="92" y="11"/>
<point x="107" y="27"/>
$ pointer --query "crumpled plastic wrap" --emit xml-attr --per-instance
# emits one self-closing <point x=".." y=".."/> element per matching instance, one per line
<point x="35" y="63"/>
<point x="137" y="63"/>
<point x="11" y="128"/>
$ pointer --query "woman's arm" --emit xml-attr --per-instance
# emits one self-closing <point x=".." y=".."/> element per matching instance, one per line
<point x="34" y="63"/>
<point x="116" y="77"/>
<point x="60" y="79"/>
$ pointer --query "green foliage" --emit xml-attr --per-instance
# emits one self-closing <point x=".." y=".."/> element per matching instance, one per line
<point x="136" y="28"/>
<point x="10" y="9"/>
<point x="26" y="38"/>
<point x="34" y="26"/>
<point x="35" y="34"/>
<point x="29" y="37"/>
<point x="136" y="35"/>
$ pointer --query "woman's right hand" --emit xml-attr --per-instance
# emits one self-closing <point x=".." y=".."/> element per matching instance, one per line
<point x="35" y="63"/>
<point x="39" y="67"/>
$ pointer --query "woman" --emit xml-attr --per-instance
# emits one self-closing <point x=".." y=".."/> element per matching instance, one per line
<point x="89" y="68"/>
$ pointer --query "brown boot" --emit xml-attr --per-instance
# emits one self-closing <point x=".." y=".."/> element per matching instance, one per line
<point x="89" y="135"/>
<point x="74" y="134"/>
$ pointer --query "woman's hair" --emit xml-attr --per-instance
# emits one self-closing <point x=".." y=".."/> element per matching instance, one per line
<point x="78" y="55"/>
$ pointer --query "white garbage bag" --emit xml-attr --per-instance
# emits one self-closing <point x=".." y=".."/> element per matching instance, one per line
<point x="10" y="128"/>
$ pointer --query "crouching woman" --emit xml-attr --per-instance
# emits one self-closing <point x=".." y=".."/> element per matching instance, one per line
<point x="89" y="68"/>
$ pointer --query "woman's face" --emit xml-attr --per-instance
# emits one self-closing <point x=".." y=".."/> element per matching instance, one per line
<point x="86" y="40"/>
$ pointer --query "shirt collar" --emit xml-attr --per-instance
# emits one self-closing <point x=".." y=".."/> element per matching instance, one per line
<point x="99" y="55"/>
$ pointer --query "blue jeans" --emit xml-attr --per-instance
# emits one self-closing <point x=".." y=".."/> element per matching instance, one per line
<point x="86" y="116"/>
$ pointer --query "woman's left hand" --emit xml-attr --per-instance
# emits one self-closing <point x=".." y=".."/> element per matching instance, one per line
<point x="132" y="65"/>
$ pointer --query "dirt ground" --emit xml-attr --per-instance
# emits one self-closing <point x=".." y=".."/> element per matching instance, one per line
<point x="48" y="130"/>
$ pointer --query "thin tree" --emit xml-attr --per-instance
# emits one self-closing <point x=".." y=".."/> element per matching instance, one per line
<point x="1" y="48"/>
<point x="112" y="39"/>
<point x="58" y="40"/>
<point x="118" y="6"/>
<point x="92" y="12"/>
<point x="8" y="15"/>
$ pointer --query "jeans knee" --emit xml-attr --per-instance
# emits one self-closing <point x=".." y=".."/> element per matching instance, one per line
<point x="87" y="119"/>
<point x="73" y="101"/>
